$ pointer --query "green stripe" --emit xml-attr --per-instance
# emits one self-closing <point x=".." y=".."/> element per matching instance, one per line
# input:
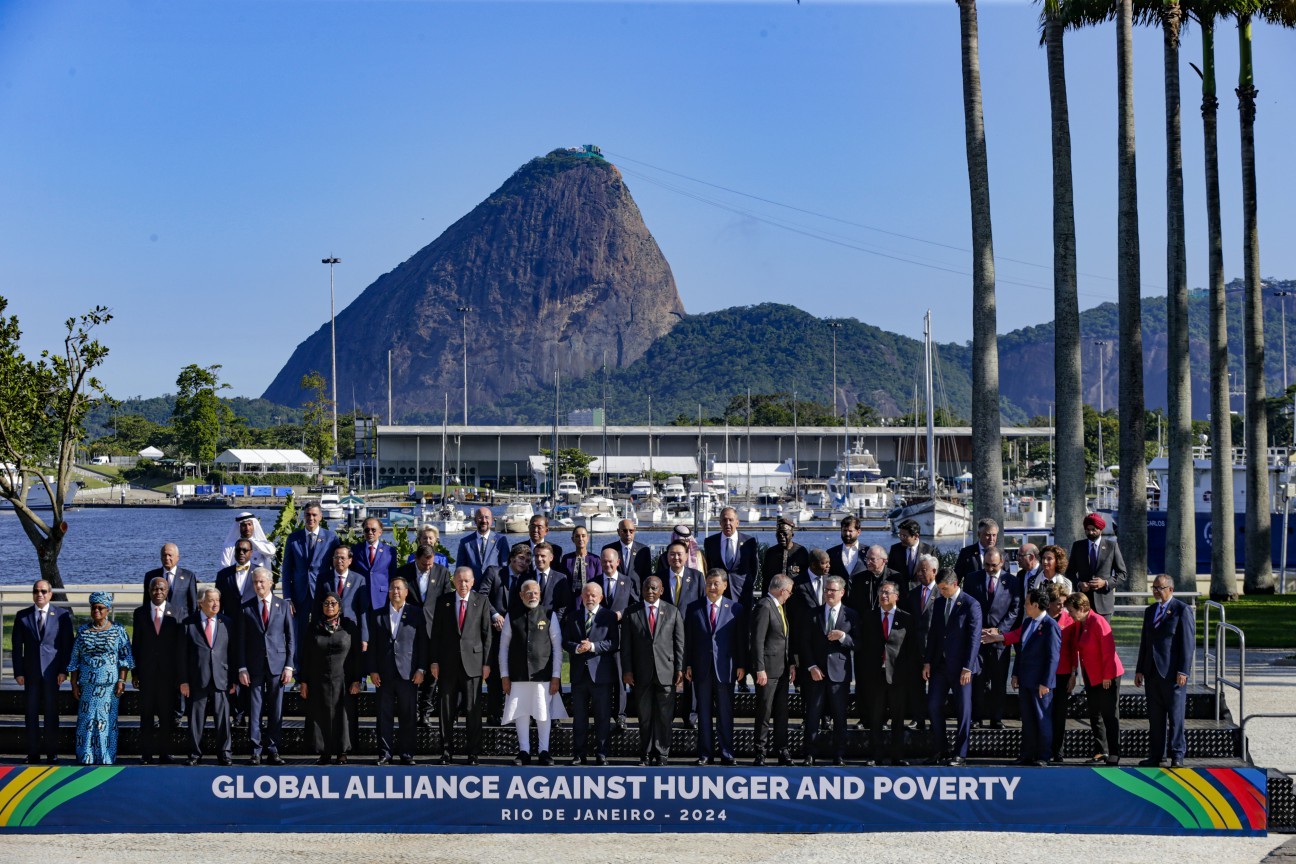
<point x="1149" y="792"/>
<point x="50" y="781"/>
<point x="1194" y="806"/>
<point x="68" y="791"/>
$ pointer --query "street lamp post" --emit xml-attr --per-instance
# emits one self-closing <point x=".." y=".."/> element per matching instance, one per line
<point x="834" y="326"/>
<point x="1283" y="295"/>
<point x="330" y="261"/>
<point x="465" y="310"/>
<point x="1102" y="406"/>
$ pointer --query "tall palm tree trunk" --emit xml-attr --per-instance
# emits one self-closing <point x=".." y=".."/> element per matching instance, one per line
<point x="1259" y="565"/>
<point x="1223" y="551"/>
<point x="1181" y="522"/>
<point x="987" y="453"/>
<point x="1066" y="303"/>
<point x="1133" y="468"/>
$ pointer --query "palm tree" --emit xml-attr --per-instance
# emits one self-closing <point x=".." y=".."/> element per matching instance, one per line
<point x="987" y="454"/>
<point x="1066" y="303"/>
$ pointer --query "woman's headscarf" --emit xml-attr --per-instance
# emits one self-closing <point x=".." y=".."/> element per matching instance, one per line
<point x="101" y="598"/>
<point x="325" y="622"/>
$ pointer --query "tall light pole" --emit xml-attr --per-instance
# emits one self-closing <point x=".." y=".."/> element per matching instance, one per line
<point x="1102" y="406"/>
<point x="330" y="261"/>
<point x="1284" y="295"/>
<point x="834" y="326"/>
<point x="465" y="310"/>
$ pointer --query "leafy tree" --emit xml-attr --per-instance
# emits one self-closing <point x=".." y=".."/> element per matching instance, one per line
<point x="43" y="404"/>
<point x="199" y="415"/>
<point x="572" y="460"/>
<point x="317" y="425"/>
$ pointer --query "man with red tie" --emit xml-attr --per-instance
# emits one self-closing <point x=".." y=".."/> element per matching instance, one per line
<point x="652" y="655"/>
<point x="266" y="646"/>
<point x="206" y="645"/>
<point x="461" y="636"/>
<point x="153" y="645"/>
<point x="375" y="560"/>
<point x="888" y="665"/>
<point x="715" y="651"/>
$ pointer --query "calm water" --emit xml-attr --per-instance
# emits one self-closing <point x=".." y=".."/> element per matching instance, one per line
<point x="112" y="545"/>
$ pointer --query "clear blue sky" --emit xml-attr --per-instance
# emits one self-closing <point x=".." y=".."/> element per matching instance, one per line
<point x="188" y="164"/>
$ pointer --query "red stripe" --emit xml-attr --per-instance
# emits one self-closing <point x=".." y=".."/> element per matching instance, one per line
<point x="1247" y="796"/>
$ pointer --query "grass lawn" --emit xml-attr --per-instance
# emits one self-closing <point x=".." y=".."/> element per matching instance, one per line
<point x="1268" y="621"/>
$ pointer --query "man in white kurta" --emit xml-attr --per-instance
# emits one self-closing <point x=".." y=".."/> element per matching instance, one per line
<point x="248" y="527"/>
<point x="530" y="660"/>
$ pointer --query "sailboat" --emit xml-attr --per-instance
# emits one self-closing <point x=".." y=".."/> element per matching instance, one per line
<point x="936" y="516"/>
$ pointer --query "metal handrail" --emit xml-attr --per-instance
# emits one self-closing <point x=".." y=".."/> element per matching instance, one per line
<point x="1246" y="744"/>
<point x="1206" y="633"/>
<point x="126" y="595"/>
<point x="1221" y="660"/>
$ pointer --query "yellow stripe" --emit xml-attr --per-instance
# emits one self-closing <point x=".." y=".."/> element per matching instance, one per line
<point x="1202" y="785"/>
<point x="1209" y="808"/>
<point x="14" y="790"/>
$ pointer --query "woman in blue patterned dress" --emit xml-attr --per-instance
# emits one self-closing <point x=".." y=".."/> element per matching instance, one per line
<point x="100" y="657"/>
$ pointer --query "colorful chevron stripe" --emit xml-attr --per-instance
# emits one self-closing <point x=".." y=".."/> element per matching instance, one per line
<point x="1210" y="799"/>
<point x="27" y="795"/>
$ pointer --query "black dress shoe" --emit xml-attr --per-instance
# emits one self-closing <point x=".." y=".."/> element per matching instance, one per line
<point x="472" y="760"/>
<point x="1023" y="761"/>
<point x="996" y="724"/>
<point x="784" y="760"/>
<point x="838" y="761"/>
<point x="446" y="759"/>
<point x="1055" y="761"/>
<point x="957" y="762"/>
<point x="933" y="760"/>
<point x="1113" y="760"/>
<point x="900" y="763"/>
<point x="702" y="760"/>
<point x="873" y="763"/>
<point x="342" y="759"/>
<point x="1176" y="763"/>
<point x="146" y="760"/>
<point x="808" y="761"/>
<point x="383" y="761"/>
<point x="224" y="761"/>
<point x="407" y="760"/>
<point x="274" y="759"/>
<point x="545" y="758"/>
<point x="1040" y="763"/>
<point x="728" y="761"/>
<point x="600" y="760"/>
<point x="578" y="760"/>
<point x="1149" y="763"/>
<point x="643" y="763"/>
<point x="759" y="760"/>
<point x="192" y="761"/>
<point x="255" y="760"/>
<point x="52" y="760"/>
<point x="166" y="760"/>
<point x="323" y="760"/>
<point x="658" y="761"/>
<point x="33" y="760"/>
<point x="523" y="758"/>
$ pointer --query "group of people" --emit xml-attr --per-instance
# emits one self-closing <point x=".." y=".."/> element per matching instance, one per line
<point x="673" y="637"/>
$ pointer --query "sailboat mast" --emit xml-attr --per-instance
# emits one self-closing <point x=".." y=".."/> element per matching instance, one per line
<point x="651" y="477"/>
<point x="553" y="462"/>
<point x="445" y="421"/>
<point x="931" y="409"/>
<point x="750" y="499"/>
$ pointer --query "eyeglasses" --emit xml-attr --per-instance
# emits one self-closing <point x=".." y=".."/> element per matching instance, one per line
<point x="1159" y="588"/>
<point x="41" y="591"/>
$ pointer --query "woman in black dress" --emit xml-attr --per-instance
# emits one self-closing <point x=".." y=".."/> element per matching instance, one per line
<point x="330" y="673"/>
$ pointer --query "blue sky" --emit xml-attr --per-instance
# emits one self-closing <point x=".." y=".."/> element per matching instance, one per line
<point x="188" y="164"/>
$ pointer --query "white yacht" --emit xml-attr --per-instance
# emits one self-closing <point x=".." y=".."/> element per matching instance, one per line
<point x="856" y="487"/>
<point x="673" y="490"/>
<point x="517" y="517"/>
<point x="331" y="507"/>
<point x="816" y="495"/>
<point x="599" y="515"/>
<point x="568" y="490"/>
<point x="641" y="489"/>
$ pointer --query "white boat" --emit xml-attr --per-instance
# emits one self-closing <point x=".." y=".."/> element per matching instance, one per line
<point x="677" y="513"/>
<point x="642" y="489"/>
<point x="673" y="490"/>
<point x="767" y="502"/>
<point x="816" y="495"/>
<point x="649" y="511"/>
<point x="599" y="515"/>
<point x="37" y="497"/>
<point x="871" y="501"/>
<point x="856" y="486"/>
<point x="449" y="519"/>
<point x="331" y="508"/>
<point x="568" y="490"/>
<point x="797" y="511"/>
<point x="749" y="514"/>
<point x="517" y="517"/>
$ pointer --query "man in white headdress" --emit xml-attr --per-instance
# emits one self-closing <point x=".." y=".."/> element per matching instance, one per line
<point x="531" y="672"/>
<point x="248" y="527"/>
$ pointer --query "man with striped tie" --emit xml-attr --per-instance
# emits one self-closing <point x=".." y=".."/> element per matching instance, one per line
<point x="772" y="667"/>
<point x="1165" y="660"/>
<point x="592" y="639"/>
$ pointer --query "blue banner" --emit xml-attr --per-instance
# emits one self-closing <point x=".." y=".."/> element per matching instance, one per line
<point x="624" y="799"/>
<point x="282" y="491"/>
<point x="233" y="490"/>
<point x="204" y="489"/>
<point x="259" y="491"/>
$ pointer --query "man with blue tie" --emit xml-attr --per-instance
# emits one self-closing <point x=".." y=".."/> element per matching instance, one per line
<point x="953" y="657"/>
<point x="206" y="648"/>
<point x="715" y="651"/>
<point x="483" y="548"/>
<point x="235" y="586"/>
<point x="828" y="643"/>
<point x="395" y="661"/>
<point x="1165" y="660"/>
<point x="621" y="590"/>
<point x="592" y="640"/>
<point x="375" y="560"/>
<point x="308" y="556"/>
<point x="1000" y="597"/>
<point x="1035" y="678"/>
<point x="266" y="644"/>
<point x="42" y="647"/>
<point x="737" y="553"/>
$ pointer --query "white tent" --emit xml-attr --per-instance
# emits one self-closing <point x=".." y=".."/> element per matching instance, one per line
<point x="151" y="453"/>
<point x="267" y="462"/>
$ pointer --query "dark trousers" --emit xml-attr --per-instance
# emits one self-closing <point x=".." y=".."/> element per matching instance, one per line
<point x="585" y="695"/>
<point x="656" y="706"/>
<point x="1165" y="704"/>
<point x="1061" y="698"/>
<point x="265" y="696"/>
<point x="494" y="709"/>
<point x="836" y="695"/>
<point x="219" y="702"/>
<point x="42" y="704"/>
<point x="619" y="692"/>
<point x="990" y="685"/>
<point x="940" y="686"/>
<point x="1037" y="724"/>
<point x="772" y="705"/>
<point x="241" y="703"/>
<point x="397" y="697"/>
<point x="452" y="688"/>
<point x="684" y="701"/>
<point x="427" y="696"/>
<point x="714" y="702"/>
<point x="157" y="700"/>
<point x="1104" y="717"/>
<point x="918" y="701"/>
<point x="887" y="701"/>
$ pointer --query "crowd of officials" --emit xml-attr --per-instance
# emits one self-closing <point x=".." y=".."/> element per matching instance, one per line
<point x="673" y="637"/>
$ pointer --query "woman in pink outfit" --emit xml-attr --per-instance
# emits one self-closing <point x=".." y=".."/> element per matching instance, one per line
<point x="1102" y="672"/>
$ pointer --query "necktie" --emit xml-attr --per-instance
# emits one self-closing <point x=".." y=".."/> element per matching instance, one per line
<point x="481" y="549"/>
<point x="211" y="631"/>
<point x="396" y="624"/>
<point x="993" y="583"/>
<point x="1160" y="613"/>
<point x="831" y="620"/>
<point x="40" y="625"/>
<point x="611" y="589"/>
<point x="911" y="557"/>
<point x="310" y="541"/>
<point x="679" y="583"/>
<point x="886" y="634"/>
<point x="782" y="615"/>
<point x="819" y="589"/>
<point x="589" y="621"/>
<point x="1030" y="631"/>
<point x="713" y="617"/>
<point x="949" y="607"/>
<point x="732" y="548"/>
<point x="157" y="620"/>
<point x="1093" y="558"/>
<point x="373" y="552"/>
<point x="926" y="593"/>
<point x="265" y="614"/>
<point x="170" y="578"/>
<point x="652" y="620"/>
<point x="463" y="610"/>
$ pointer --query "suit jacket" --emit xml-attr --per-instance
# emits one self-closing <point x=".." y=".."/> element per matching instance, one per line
<point x="922" y="615"/>
<point x="232" y="599"/>
<point x="862" y="588"/>
<point x="955" y="645"/>
<point x="593" y="566"/>
<point x="206" y="668"/>
<point x="377" y="575"/>
<point x="1003" y="611"/>
<point x="1111" y="566"/>
<point x="1025" y="577"/>
<point x="264" y="650"/>
<point x="155" y="653"/>
<point x="897" y="558"/>
<point x="838" y="568"/>
<point x="628" y="591"/>
<point x="1037" y="657"/>
<point x="802" y="605"/>
<point x="969" y="561"/>
<point x="557" y="558"/>
<point x="894" y="658"/>
<point x="555" y="593"/>
<point x="398" y="656"/>
<point x="653" y="656"/>
<point x="597" y="666"/>
<point x="304" y="565"/>
<point x="720" y="651"/>
<point x="354" y="594"/>
<point x="35" y="657"/>
<point x="183" y="592"/>
<point x="834" y="659"/>
<point x="1167" y="648"/>
<point x="497" y="553"/>
<point x="798" y="562"/>
<point x="461" y="654"/>
<point x="692" y="588"/>
<point x="742" y="570"/>
<point x="771" y="643"/>
<point x="640" y="562"/>
<point x="438" y="582"/>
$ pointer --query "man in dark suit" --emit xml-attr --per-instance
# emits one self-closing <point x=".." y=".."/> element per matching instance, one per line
<point x="652" y="648"/>
<point x="785" y="556"/>
<point x="267" y="642"/>
<point x="461" y="634"/>
<point x="182" y="584"/>
<point x="1029" y="572"/>
<point x="919" y="604"/>
<point x="620" y="591"/>
<point x="395" y="662"/>
<point x="484" y="547"/>
<point x="154" y="646"/>
<point x="592" y="640"/>
<point x="953" y="657"/>
<point x="1165" y="660"/>
<point x="807" y="597"/>
<point x="537" y="533"/>
<point x="682" y="586"/>
<point x="351" y="589"/>
<point x="42" y="646"/>
<point x="1035" y="677"/>
<point x="971" y="558"/>
<point x="426" y="580"/>
<point x="887" y="669"/>
<point x="847" y="557"/>
<point x="715" y="657"/>
<point x="1000" y="597"/>
<point x="206" y="647"/>
<point x="308" y="556"/>
<point x="736" y="553"/>
<point x="828" y="643"/>
<point x="555" y="590"/>
<point x="1096" y="566"/>
<point x="235" y="586"/>
<point x="375" y="560"/>
<point x="903" y="556"/>
<point x="772" y="668"/>
<point x="862" y="588"/>
<point x="635" y="557"/>
<point x="501" y="587"/>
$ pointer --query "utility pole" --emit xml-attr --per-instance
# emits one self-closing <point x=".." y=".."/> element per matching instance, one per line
<point x="465" y="310"/>
<point x="834" y="326"/>
<point x="1102" y="406"/>
<point x="330" y="261"/>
